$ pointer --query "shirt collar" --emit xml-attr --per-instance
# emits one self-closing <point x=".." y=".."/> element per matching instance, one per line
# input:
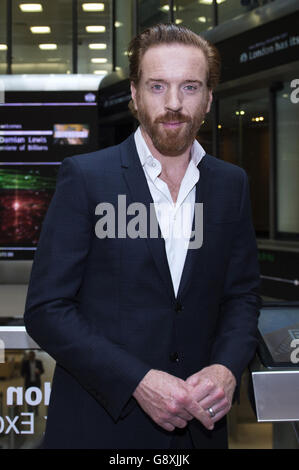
<point x="197" y="151"/>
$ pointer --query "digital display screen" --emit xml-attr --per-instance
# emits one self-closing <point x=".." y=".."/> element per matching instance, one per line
<point x="25" y="194"/>
<point x="37" y="131"/>
<point x="24" y="410"/>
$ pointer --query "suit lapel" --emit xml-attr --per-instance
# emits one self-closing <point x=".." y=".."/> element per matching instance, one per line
<point x="139" y="191"/>
<point x="197" y="255"/>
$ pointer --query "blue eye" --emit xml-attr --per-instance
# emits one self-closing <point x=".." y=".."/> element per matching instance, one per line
<point x="190" y="87"/>
<point x="157" y="87"/>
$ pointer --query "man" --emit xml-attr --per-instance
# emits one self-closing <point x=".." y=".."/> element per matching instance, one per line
<point x="151" y="335"/>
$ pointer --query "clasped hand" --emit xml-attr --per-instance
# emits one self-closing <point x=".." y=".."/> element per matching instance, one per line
<point x="171" y="402"/>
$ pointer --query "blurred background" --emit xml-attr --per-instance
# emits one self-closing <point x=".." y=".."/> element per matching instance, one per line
<point x="64" y="90"/>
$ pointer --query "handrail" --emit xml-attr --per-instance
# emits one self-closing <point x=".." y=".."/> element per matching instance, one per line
<point x="295" y="282"/>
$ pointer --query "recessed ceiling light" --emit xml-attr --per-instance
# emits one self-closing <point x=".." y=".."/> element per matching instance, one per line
<point x="118" y="24"/>
<point x="40" y="29"/>
<point x="93" y="6"/>
<point x="99" y="60"/>
<point x="3" y="47"/>
<point x="30" y="7"/>
<point x="47" y="47"/>
<point x="97" y="46"/>
<point x="209" y="2"/>
<point x="95" y="29"/>
<point x="100" y="72"/>
<point x="165" y="8"/>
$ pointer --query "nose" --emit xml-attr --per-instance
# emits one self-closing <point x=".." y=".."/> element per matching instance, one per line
<point x="173" y="101"/>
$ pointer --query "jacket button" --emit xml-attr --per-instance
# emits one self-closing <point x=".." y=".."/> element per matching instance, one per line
<point x="174" y="357"/>
<point x="178" y="307"/>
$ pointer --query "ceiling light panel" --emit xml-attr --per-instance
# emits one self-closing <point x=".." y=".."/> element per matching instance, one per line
<point x="97" y="46"/>
<point x="40" y="29"/>
<point x="99" y="60"/>
<point x="31" y="7"/>
<point x="93" y="7"/>
<point x="100" y="72"/>
<point x="95" y="29"/>
<point x="47" y="47"/>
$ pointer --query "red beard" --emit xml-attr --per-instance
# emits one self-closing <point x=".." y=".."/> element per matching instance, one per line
<point x="171" y="142"/>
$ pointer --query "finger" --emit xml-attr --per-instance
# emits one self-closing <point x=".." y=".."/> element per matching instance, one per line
<point x="172" y="423"/>
<point x="192" y="380"/>
<point x="219" y="410"/>
<point x="202" y="390"/>
<point x="178" y="422"/>
<point x="219" y="415"/>
<point x="213" y="398"/>
<point x="223" y="405"/>
<point x="201" y="415"/>
<point x="167" y="426"/>
<point x="184" y="414"/>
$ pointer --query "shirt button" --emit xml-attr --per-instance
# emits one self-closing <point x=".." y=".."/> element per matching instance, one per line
<point x="174" y="357"/>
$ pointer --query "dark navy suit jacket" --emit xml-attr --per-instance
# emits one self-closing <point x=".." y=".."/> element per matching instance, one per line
<point x="105" y="309"/>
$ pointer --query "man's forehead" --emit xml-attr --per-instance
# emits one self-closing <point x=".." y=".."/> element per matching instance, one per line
<point x="179" y="57"/>
<point x="164" y="51"/>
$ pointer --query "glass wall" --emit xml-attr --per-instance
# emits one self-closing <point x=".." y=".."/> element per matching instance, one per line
<point x="228" y="9"/>
<point x="3" y="45"/>
<point x="24" y="399"/>
<point x="244" y="141"/>
<point x="196" y="15"/>
<point x="95" y="37"/>
<point x="287" y="179"/>
<point x="42" y="39"/>
<point x="151" y="12"/>
<point x="43" y="34"/>
<point x="205" y="133"/>
<point x="124" y="31"/>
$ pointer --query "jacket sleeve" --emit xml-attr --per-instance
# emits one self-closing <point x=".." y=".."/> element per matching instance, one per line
<point x="236" y="337"/>
<point x="52" y="317"/>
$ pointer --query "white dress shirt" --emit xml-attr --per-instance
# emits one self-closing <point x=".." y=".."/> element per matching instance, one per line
<point x="174" y="218"/>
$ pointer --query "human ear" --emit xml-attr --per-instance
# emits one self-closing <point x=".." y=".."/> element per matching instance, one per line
<point x="133" y="94"/>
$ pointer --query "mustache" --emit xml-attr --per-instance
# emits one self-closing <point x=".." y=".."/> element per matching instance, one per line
<point x="172" y="116"/>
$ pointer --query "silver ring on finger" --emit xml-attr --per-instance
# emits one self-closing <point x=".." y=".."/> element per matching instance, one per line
<point x="211" y="412"/>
